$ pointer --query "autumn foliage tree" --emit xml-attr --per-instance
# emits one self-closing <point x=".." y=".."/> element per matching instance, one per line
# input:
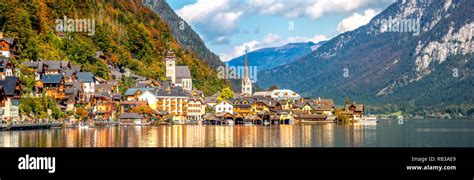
<point x="81" y="112"/>
<point x="142" y="109"/>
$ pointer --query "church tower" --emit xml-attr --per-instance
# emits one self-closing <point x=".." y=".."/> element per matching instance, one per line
<point x="170" y="62"/>
<point x="246" y="82"/>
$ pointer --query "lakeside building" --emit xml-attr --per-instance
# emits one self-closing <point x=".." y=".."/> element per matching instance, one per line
<point x="224" y="106"/>
<point x="173" y="100"/>
<point x="10" y="90"/>
<point x="354" y="111"/>
<point x="196" y="109"/>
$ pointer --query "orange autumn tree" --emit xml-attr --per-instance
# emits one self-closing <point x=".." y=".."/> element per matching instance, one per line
<point x="81" y="112"/>
<point x="142" y="109"/>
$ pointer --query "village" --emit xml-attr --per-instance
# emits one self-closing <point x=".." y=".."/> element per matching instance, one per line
<point x="87" y="100"/>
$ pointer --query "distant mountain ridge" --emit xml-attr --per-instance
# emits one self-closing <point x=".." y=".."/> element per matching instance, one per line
<point x="267" y="58"/>
<point x="433" y="69"/>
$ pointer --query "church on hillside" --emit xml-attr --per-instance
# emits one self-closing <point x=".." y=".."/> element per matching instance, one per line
<point x="178" y="75"/>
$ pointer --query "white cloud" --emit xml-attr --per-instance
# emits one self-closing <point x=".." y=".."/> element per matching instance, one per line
<point x="322" y="7"/>
<point x="200" y="10"/>
<point x="217" y="18"/>
<point x="270" y="40"/>
<point x="315" y="39"/>
<point x="356" y="20"/>
<point x="312" y="8"/>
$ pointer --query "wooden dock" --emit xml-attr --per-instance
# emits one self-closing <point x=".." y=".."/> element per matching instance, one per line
<point x="29" y="126"/>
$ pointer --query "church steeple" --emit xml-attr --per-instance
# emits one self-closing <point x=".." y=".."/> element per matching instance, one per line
<point x="246" y="82"/>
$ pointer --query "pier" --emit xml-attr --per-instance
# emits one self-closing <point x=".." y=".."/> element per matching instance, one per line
<point x="29" y="126"/>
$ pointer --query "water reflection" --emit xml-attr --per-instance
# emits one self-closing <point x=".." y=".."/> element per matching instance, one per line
<point x="308" y="135"/>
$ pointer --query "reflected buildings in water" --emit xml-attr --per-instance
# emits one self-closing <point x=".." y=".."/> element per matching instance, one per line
<point x="384" y="134"/>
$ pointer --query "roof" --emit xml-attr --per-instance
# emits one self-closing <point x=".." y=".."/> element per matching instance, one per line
<point x="103" y="88"/>
<point x="38" y="65"/>
<point x="240" y="102"/>
<point x="53" y="65"/>
<point x="85" y="77"/>
<point x="9" y="40"/>
<point x="68" y="72"/>
<point x="324" y="102"/>
<point x="71" y="91"/>
<point x="101" y="96"/>
<point x="9" y="85"/>
<point x="209" y="116"/>
<point x="310" y="116"/>
<point x="263" y="93"/>
<point x="131" y="91"/>
<point x="131" y="116"/>
<point x="358" y="107"/>
<point x="112" y="82"/>
<point x="182" y="72"/>
<point x="76" y="68"/>
<point x="172" y="91"/>
<point x="52" y="78"/>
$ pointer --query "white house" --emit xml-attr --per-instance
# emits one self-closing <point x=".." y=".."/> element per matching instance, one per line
<point x="87" y="80"/>
<point x="224" y="106"/>
<point x="280" y="94"/>
<point x="10" y="96"/>
<point x="196" y="109"/>
<point x="150" y="97"/>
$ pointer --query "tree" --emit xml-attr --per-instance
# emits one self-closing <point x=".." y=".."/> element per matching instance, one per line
<point x="273" y="88"/>
<point x="226" y="93"/>
<point x="347" y="100"/>
<point x="142" y="109"/>
<point x="81" y="112"/>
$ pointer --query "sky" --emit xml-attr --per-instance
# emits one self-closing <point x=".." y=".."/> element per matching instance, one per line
<point x="228" y="27"/>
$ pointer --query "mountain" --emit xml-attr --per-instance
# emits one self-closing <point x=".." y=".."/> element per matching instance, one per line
<point x="183" y="33"/>
<point x="127" y="31"/>
<point x="376" y="64"/>
<point x="268" y="58"/>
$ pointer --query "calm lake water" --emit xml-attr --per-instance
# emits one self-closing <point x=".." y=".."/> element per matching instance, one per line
<point x="387" y="133"/>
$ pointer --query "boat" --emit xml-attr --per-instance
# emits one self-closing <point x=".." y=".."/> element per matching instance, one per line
<point x="369" y="120"/>
<point x="266" y="123"/>
<point x="230" y="122"/>
<point x="248" y="124"/>
<point x="83" y="126"/>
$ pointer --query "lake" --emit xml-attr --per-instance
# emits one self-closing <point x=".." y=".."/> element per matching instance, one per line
<point x="387" y="133"/>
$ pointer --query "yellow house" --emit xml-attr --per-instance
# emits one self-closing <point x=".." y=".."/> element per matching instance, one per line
<point x="259" y="106"/>
<point x="242" y="106"/>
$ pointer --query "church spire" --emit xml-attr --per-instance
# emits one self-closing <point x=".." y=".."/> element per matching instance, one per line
<point x="246" y="82"/>
<point x="246" y="67"/>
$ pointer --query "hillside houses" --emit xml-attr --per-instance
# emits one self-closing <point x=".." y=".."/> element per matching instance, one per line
<point x="174" y="100"/>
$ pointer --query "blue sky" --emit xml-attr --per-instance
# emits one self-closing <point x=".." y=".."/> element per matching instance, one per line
<point x="229" y="26"/>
